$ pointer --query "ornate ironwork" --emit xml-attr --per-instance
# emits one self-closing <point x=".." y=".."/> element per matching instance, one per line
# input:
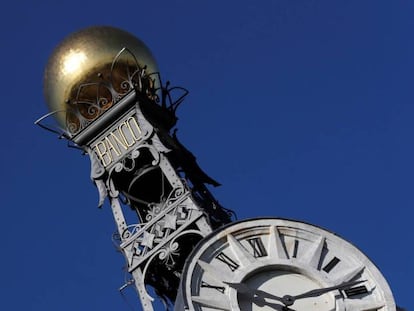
<point x="155" y="175"/>
<point x="102" y="91"/>
<point x="123" y="117"/>
<point x="92" y="99"/>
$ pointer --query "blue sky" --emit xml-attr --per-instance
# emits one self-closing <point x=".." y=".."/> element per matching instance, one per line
<point x="301" y="109"/>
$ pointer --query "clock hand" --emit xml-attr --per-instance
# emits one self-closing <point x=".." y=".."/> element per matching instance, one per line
<point x="289" y="300"/>
<point x="256" y="293"/>
<point x="321" y="291"/>
<point x="258" y="296"/>
<point x="275" y="306"/>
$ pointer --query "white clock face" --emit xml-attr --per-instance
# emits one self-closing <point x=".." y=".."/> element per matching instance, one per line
<point x="277" y="264"/>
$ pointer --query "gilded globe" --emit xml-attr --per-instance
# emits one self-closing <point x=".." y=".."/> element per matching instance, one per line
<point x="86" y="57"/>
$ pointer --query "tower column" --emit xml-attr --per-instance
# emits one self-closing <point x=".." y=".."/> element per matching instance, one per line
<point x="145" y="298"/>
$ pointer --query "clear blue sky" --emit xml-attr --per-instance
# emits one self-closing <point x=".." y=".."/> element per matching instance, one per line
<point x="301" y="109"/>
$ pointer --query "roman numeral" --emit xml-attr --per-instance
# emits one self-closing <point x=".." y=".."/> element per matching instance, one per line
<point x="355" y="291"/>
<point x="295" y="249"/>
<point x="258" y="247"/>
<point x="206" y="285"/>
<point x="228" y="261"/>
<point x="330" y="265"/>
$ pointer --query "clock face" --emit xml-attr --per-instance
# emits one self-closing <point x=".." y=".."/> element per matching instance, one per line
<point x="278" y="264"/>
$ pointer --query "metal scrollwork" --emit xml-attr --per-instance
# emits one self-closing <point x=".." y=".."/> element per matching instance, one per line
<point x="118" y="167"/>
<point x="175" y="194"/>
<point x="95" y="97"/>
<point x="153" y="212"/>
<point x="168" y="253"/>
<point x="125" y="235"/>
<point x="103" y="90"/>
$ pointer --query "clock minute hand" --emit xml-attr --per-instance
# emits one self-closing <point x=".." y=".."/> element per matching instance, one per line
<point x="321" y="291"/>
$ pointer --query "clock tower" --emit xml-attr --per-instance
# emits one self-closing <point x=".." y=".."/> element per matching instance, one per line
<point x="107" y="99"/>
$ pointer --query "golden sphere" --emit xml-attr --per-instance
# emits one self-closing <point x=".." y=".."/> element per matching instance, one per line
<point x="85" y="55"/>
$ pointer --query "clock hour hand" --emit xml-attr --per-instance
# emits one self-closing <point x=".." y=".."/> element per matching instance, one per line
<point x="258" y="296"/>
<point x="244" y="289"/>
